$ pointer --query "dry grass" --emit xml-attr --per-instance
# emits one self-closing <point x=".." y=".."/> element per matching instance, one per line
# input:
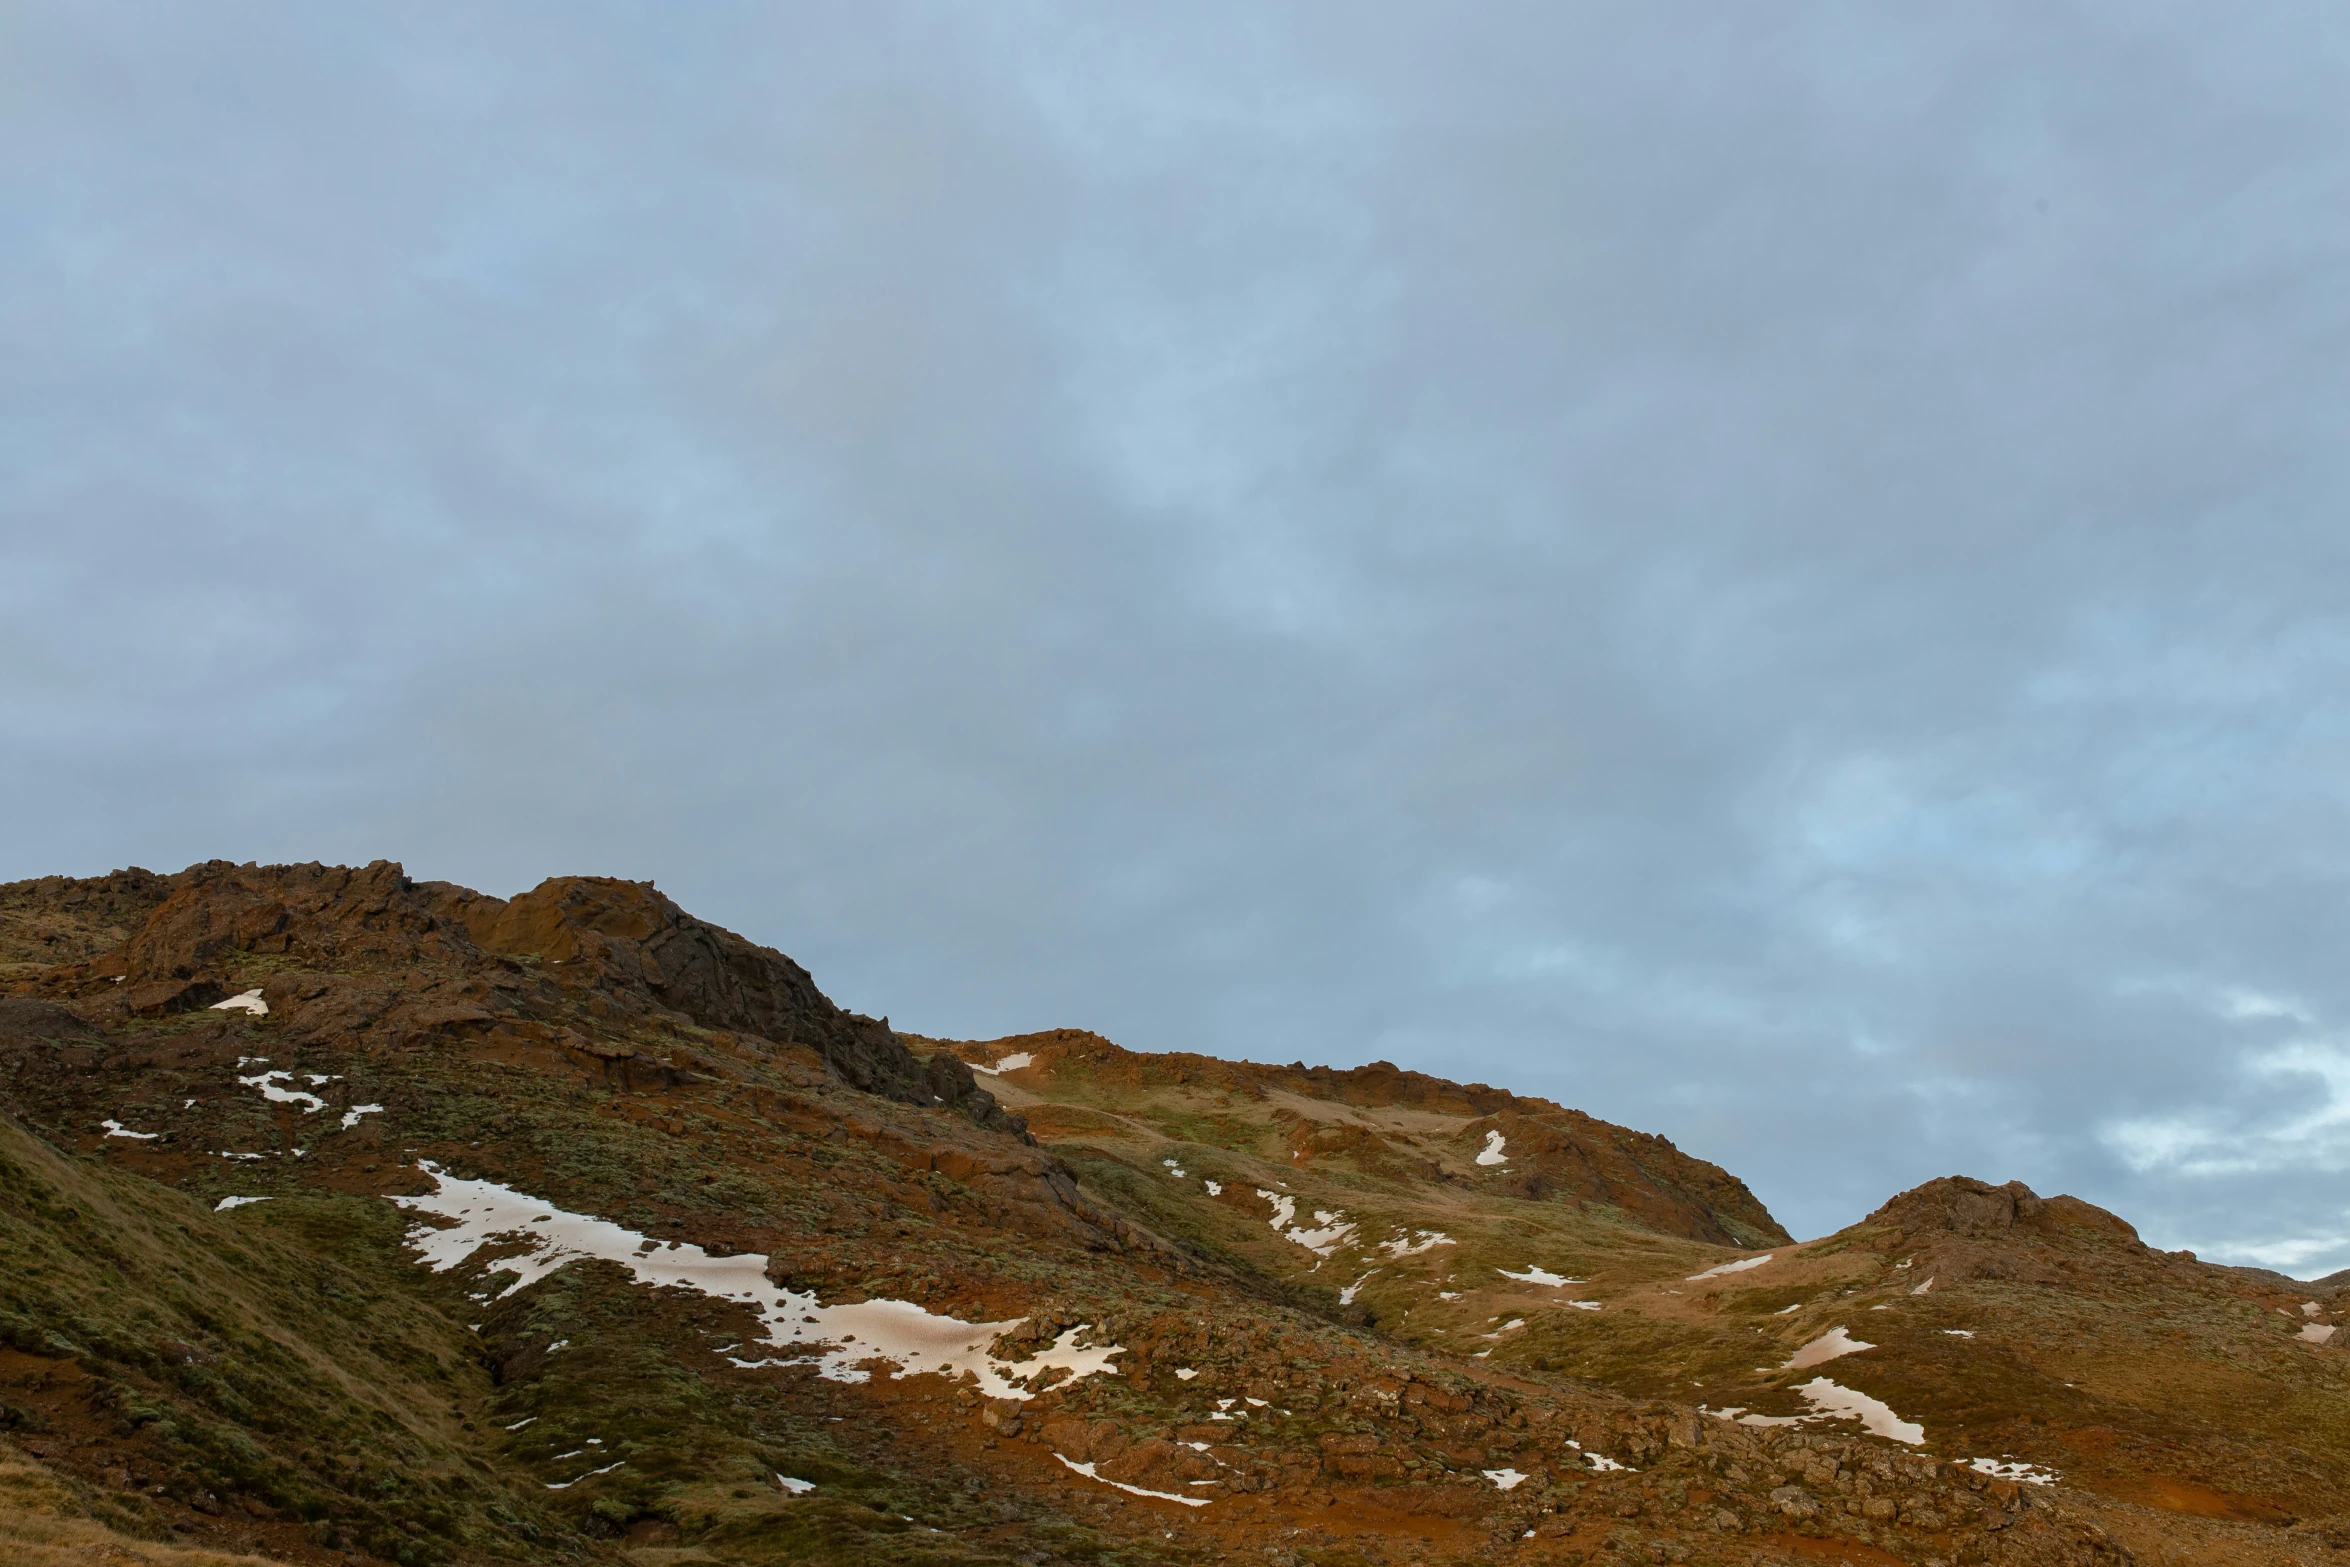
<point x="41" y="1525"/>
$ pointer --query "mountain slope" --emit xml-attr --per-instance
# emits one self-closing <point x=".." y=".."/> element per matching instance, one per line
<point x="352" y="1218"/>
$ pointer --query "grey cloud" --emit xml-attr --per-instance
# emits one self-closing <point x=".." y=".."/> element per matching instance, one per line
<point x="1770" y="576"/>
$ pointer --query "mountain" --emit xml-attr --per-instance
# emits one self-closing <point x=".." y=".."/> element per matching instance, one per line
<point x="351" y="1218"/>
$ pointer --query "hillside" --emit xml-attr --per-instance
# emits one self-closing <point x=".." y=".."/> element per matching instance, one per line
<point x="349" y="1218"/>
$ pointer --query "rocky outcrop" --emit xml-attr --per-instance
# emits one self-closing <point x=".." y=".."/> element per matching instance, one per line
<point x="1970" y="1229"/>
<point x="623" y="939"/>
<point x="1961" y="1205"/>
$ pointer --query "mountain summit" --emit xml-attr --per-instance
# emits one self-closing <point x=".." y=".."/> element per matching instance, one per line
<point x="351" y="1218"/>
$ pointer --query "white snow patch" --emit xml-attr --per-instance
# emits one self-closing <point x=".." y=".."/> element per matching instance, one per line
<point x="117" y="1129"/>
<point x="1922" y="1288"/>
<point x="1406" y="1245"/>
<point x="250" y="1001"/>
<point x="352" y="1115"/>
<point x="890" y="1330"/>
<point x="2310" y="1308"/>
<point x="1534" y="1275"/>
<point x="795" y="1487"/>
<point x="267" y="1082"/>
<point x="1828" y="1346"/>
<point x="1184" y="1373"/>
<point x="1740" y="1266"/>
<point x="1584" y="1305"/>
<point x="1330" y="1229"/>
<point x="1173" y="1168"/>
<point x="1133" y="1490"/>
<point x="1215" y="1187"/>
<point x="1346" y="1296"/>
<point x="519" y="1424"/>
<point x="1448" y="1294"/>
<point x="565" y="1485"/>
<point x="1738" y="1413"/>
<point x="1603" y="1464"/>
<point x="1510" y="1326"/>
<point x="1960" y="1332"/>
<point x="1830" y="1400"/>
<point x="1496" y="1149"/>
<point x="2315" y="1333"/>
<point x="2014" y="1469"/>
<point x="1505" y="1479"/>
<point x="1788" y="1311"/>
<point x="226" y="1203"/>
<point x="1010" y="1063"/>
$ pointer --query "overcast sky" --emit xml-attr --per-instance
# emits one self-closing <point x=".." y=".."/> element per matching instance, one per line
<point x="1778" y="574"/>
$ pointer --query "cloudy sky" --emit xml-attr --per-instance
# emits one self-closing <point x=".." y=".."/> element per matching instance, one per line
<point x="1778" y="574"/>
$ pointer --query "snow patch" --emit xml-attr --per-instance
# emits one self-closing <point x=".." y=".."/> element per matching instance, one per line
<point x="795" y="1487"/>
<point x="1832" y="1400"/>
<point x="1740" y="1266"/>
<point x="1534" y="1275"/>
<point x="1330" y="1231"/>
<point x="117" y="1129"/>
<point x="1584" y="1305"/>
<point x="267" y="1082"/>
<point x="2315" y="1333"/>
<point x="1406" y="1245"/>
<point x="1496" y="1149"/>
<point x="1828" y="1401"/>
<point x="2014" y="1469"/>
<point x="1132" y="1490"/>
<point x="1346" y="1296"/>
<point x="226" y="1203"/>
<point x="1010" y="1063"/>
<point x="1215" y="1187"/>
<point x="1922" y="1288"/>
<point x="1960" y="1332"/>
<point x="250" y="1001"/>
<point x="352" y="1115"/>
<point x="1831" y="1345"/>
<point x="1505" y="1479"/>
<point x="1184" y="1373"/>
<point x="899" y="1331"/>
<point x="565" y="1485"/>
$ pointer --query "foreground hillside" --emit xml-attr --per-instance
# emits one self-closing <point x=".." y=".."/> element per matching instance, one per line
<point x="350" y="1218"/>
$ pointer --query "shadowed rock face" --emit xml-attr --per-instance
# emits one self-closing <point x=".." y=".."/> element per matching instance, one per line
<point x="620" y="938"/>
<point x="627" y="934"/>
